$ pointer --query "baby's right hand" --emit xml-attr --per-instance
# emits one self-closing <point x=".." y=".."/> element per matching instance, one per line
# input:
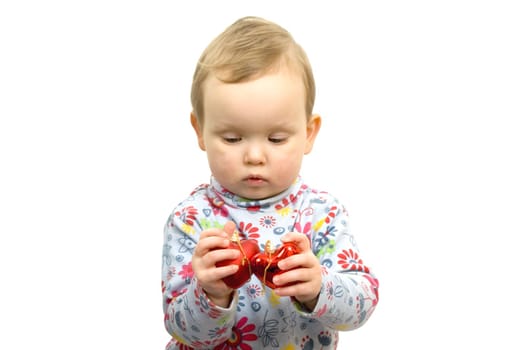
<point x="209" y="250"/>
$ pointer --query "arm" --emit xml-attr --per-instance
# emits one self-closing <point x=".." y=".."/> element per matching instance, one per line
<point x="349" y="292"/>
<point x="191" y="317"/>
<point x="329" y="280"/>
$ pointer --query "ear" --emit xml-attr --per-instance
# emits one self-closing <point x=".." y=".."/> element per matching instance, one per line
<point x="198" y="131"/>
<point x="313" y="126"/>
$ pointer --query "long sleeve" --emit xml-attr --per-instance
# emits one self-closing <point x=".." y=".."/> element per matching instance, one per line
<point x="349" y="292"/>
<point x="189" y="315"/>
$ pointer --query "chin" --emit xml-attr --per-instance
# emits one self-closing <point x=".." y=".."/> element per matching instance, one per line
<point x="260" y="195"/>
<point x="255" y="195"/>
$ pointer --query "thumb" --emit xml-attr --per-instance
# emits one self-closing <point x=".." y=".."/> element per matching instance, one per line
<point x="229" y="228"/>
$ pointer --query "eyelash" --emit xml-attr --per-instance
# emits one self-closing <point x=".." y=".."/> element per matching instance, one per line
<point x="232" y="139"/>
<point x="238" y="139"/>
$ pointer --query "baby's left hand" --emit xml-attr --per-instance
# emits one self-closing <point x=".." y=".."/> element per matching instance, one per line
<point x="302" y="271"/>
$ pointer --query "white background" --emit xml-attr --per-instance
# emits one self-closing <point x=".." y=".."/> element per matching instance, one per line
<point x="423" y="139"/>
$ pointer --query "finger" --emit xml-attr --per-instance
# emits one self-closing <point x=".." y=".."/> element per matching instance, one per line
<point x="229" y="228"/>
<point x="213" y="276"/>
<point x="210" y="243"/>
<point x="297" y="282"/>
<point x="224" y="271"/>
<point x="291" y="277"/>
<point x="300" y="239"/>
<point x="213" y="232"/>
<point x="295" y="261"/>
<point x="215" y="256"/>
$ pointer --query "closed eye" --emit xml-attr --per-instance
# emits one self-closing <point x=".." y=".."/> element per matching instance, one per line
<point x="232" y="139"/>
<point x="277" y="139"/>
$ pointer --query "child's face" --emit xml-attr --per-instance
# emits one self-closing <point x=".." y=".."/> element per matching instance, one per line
<point x="255" y="133"/>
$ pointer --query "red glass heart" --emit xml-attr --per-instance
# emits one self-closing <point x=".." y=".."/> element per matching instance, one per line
<point x="265" y="263"/>
<point x="248" y="248"/>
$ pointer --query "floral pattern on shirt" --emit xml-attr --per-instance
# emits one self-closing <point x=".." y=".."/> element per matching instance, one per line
<point x="257" y="318"/>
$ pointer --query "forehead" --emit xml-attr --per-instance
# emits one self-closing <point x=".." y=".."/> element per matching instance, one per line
<point x="277" y="92"/>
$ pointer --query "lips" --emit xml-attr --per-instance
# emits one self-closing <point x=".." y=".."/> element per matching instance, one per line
<point x="255" y="180"/>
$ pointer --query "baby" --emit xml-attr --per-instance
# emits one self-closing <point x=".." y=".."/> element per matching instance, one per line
<point x="252" y="97"/>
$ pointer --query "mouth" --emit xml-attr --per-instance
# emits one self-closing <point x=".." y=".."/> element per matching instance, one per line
<point x="255" y="179"/>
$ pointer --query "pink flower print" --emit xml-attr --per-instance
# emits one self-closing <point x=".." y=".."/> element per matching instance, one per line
<point x="373" y="287"/>
<point x="241" y="334"/>
<point x="331" y="215"/>
<point x="205" y="305"/>
<point x="254" y="290"/>
<point x="322" y="311"/>
<point x="217" y="332"/>
<point x="292" y="199"/>
<point x="188" y="215"/>
<point x="182" y="346"/>
<point x="267" y="221"/>
<point x="171" y="273"/>
<point x="254" y="208"/>
<point x="197" y="344"/>
<point x="175" y="294"/>
<point x="218" y="206"/>
<point x="350" y="260"/>
<point x="187" y="272"/>
<point x="330" y="290"/>
<point x="248" y="231"/>
<point x="305" y="230"/>
<point x="285" y="202"/>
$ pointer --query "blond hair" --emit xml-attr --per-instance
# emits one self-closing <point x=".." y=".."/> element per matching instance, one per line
<point x="248" y="48"/>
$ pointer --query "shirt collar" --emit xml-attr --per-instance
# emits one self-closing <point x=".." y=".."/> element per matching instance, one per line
<point x="221" y="195"/>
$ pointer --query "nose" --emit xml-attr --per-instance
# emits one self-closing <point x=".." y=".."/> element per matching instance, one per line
<point x="254" y="154"/>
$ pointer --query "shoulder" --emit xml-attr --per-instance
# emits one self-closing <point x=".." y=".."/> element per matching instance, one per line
<point x="196" y="198"/>
<point x="187" y="214"/>
<point x="319" y="197"/>
<point x="323" y="205"/>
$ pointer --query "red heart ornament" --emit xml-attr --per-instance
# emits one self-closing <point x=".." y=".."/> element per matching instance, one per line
<point x="248" y="248"/>
<point x="265" y="264"/>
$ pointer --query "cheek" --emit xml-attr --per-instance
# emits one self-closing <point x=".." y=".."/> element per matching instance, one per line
<point x="287" y="165"/>
<point x="289" y="157"/>
<point x="221" y="160"/>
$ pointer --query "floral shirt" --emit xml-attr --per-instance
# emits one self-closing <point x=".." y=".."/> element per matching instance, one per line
<point x="257" y="318"/>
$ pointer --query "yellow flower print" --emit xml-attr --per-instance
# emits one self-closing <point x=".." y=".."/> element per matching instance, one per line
<point x="318" y="224"/>
<point x="288" y="346"/>
<point x="188" y="229"/>
<point x="274" y="298"/>
<point x="284" y="211"/>
<point x="341" y="327"/>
